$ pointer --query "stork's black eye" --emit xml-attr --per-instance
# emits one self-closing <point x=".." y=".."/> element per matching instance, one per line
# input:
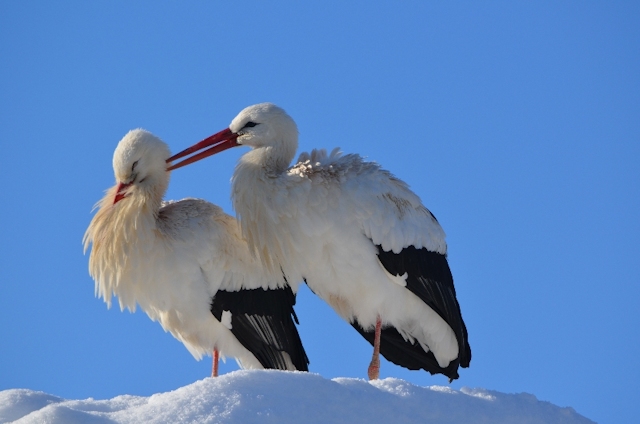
<point x="133" y="167"/>
<point x="249" y="124"/>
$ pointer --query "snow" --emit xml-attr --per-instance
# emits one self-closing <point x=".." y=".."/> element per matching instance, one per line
<point x="252" y="396"/>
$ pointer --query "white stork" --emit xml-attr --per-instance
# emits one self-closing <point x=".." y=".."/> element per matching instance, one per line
<point x="187" y="266"/>
<point x="359" y="237"/>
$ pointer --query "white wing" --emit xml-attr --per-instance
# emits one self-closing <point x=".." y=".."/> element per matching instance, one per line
<point x="362" y="193"/>
<point x="202" y="232"/>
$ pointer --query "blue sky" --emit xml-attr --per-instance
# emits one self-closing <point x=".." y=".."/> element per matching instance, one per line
<point x="517" y="124"/>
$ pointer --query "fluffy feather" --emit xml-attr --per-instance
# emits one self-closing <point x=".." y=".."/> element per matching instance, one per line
<point x="172" y="258"/>
<point x="323" y="220"/>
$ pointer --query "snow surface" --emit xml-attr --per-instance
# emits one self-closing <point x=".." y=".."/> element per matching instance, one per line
<point x="290" y="397"/>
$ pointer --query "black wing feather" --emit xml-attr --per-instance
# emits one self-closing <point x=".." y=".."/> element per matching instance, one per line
<point x="263" y="322"/>
<point x="429" y="278"/>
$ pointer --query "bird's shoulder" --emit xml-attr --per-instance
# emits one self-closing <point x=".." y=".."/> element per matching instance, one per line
<point x="384" y="206"/>
<point x="176" y="216"/>
<point x="351" y="172"/>
<point x="331" y="167"/>
<point x="188" y="208"/>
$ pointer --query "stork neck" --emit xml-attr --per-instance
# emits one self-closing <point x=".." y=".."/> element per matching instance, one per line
<point x="120" y="235"/>
<point x="249" y="178"/>
<point x="138" y="220"/>
<point x="273" y="160"/>
<point x="254" y="190"/>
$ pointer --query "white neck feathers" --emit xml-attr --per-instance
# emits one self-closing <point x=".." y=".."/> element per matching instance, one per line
<point x="120" y="235"/>
<point x="255" y="196"/>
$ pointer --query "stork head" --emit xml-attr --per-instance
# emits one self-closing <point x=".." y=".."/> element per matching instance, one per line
<point x="140" y="167"/>
<point x="262" y="126"/>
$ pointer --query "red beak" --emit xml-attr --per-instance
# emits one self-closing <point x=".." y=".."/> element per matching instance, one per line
<point x="219" y="142"/>
<point x="120" y="194"/>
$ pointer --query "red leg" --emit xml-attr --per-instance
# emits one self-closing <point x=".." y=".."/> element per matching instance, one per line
<point x="216" y="357"/>
<point x="374" y="367"/>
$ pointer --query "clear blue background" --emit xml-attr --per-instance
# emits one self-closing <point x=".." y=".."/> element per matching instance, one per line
<point x="518" y="124"/>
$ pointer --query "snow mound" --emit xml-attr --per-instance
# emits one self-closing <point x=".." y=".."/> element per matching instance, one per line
<point x="289" y="397"/>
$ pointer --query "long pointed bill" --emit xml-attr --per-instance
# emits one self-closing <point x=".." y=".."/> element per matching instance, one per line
<point x="217" y="143"/>
<point x="120" y="192"/>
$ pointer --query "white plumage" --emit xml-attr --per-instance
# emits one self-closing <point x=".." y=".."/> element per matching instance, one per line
<point x="357" y="235"/>
<point x="185" y="261"/>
